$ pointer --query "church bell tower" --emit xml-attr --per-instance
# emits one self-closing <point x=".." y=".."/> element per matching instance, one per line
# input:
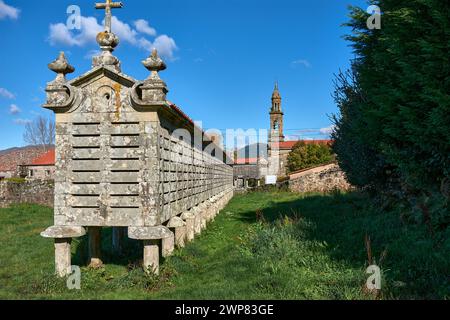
<point x="276" y="117"/>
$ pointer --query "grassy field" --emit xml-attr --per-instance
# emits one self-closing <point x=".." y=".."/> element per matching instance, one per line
<point x="265" y="245"/>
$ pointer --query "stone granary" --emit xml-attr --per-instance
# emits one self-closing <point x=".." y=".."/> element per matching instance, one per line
<point x="125" y="158"/>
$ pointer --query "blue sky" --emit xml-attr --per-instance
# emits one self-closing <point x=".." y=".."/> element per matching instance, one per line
<point x="223" y="57"/>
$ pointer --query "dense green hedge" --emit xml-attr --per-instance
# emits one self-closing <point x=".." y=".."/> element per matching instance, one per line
<point x="393" y="133"/>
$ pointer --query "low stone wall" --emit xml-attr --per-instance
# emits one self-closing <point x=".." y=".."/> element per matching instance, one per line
<point x="36" y="192"/>
<point x="321" y="179"/>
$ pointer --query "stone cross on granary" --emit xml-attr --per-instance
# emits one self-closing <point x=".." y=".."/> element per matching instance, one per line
<point x="121" y="162"/>
<point x="108" y="14"/>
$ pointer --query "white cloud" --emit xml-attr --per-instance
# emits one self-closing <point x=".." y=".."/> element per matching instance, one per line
<point x="22" y="122"/>
<point x="92" y="53"/>
<point x="7" y="11"/>
<point x="301" y="62"/>
<point x="14" y="109"/>
<point x="143" y="27"/>
<point x="327" y="131"/>
<point x="6" y="94"/>
<point x="166" y="46"/>
<point x="124" y="31"/>
<point x="61" y="35"/>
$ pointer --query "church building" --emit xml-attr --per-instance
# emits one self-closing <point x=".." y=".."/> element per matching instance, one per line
<point x="278" y="147"/>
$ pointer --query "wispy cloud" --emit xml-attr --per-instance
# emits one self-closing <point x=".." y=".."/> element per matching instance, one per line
<point x="61" y="35"/>
<point x="6" y="94"/>
<point x="14" y="109"/>
<point x="144" y="27"/>
<point x="301" y="62"/>
<point x="7" y="11"/>
<point x="327" y="131"/>
<point x="91" y="54"/>
<point x="22" y="122"/>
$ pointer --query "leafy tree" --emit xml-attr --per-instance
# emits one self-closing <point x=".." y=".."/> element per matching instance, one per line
<point x="305" y="156"/>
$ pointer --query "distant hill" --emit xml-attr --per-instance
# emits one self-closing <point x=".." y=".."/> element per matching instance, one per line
<point x="11" y="158"/>
<point x="248" y="151"/>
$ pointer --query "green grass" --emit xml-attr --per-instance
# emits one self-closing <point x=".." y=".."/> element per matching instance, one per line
<point x="265" y="245"/>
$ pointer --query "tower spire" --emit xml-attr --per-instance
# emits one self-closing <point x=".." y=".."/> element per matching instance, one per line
<point x="276" y="116"/>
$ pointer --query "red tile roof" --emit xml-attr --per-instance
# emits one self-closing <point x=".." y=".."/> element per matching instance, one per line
<point x="287" y="145"/>
<point x="47" y="159"/>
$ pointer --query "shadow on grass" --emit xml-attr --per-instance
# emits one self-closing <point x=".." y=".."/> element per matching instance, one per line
<point x="129" y="255"/>
<point x="414" y="264"/>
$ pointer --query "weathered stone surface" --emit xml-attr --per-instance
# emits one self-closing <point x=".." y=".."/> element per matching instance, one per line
<point x="189" y="218"/>
<point x="180" y="236"/>
<point x="62" y="232"/>
<point x="168" y="246"/>
<point x="149" y="233"/>
<point x="321" y="179"/>
<point x="176" y="222"/>
<point x="34" y="191"/>
<point x="63" y="257"/>
<point x="151" y="256"/>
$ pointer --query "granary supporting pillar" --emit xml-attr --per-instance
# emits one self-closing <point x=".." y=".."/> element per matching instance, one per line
<point x="63" y="238"/>
<point x="189" y="219"/>
<point x="151" y="256"/>
<point x="168" y="245"/>
<point x="95" y="241"/>
<point x="197" y="221"/>
<point x="178" y="227"/>
<point x="152" y="237"/>
<point x="203" y="212"/>
<point x="63" y="257"/>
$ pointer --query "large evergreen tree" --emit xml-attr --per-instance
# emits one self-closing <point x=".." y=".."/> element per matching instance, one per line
<point x="393" y="134"/>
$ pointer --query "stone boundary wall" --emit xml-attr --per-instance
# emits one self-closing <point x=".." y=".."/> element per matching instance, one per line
<point x="320" y="179"/>
<point x="35" y="192"/>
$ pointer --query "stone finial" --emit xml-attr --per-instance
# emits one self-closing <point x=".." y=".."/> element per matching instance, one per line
<point x="154" y="90"/>
<point x="154" y="64"/>
<point x="61" y="67"/>
<point x="57" y="91"/>
<point x="107" y="41"/>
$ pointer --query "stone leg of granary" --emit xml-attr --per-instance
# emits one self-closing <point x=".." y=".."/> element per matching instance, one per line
<point x="151" y="256"/>
<point x="190" y="229"/>
<point x="197" y="222"/>
<point x="95" y="247"/>
<point x="180" y="236"/>
<point x="203" y="211"/>
<point x="63" y="257"/>
<point x="153" y="238"/>
<point x="168" y="245"/>
<point x="178" y="227"/>
<point x="118" y="234"/>
<point x="63" y="238"/>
